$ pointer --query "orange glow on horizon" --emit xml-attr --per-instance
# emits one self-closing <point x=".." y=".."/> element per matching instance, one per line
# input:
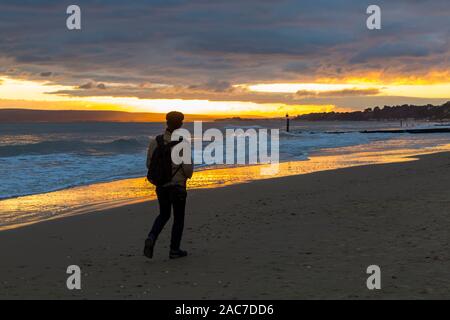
<point x="18" y="93"/>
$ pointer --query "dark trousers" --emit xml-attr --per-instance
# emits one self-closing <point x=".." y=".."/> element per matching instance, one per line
<point x="168" y="197"/>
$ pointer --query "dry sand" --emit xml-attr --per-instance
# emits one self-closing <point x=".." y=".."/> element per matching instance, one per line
<point x="309" y="236"/>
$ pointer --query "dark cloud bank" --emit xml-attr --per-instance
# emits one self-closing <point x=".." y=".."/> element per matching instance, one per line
<point x="201" y="48"/>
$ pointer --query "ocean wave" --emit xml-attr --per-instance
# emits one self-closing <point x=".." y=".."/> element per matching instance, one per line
<point x="119" y="146"/>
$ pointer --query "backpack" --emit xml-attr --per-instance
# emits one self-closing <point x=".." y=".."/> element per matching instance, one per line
<point x="160" y="171"/>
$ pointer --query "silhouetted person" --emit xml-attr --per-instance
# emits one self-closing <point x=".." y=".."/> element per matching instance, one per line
<point x="171" y="194"/>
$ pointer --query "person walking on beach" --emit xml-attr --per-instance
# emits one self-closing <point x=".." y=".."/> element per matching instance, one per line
<point x="170" y="180"/>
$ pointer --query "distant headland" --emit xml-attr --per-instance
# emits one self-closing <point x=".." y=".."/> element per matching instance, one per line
<point x="427" y="112"/>
<point x="66" y="116"/>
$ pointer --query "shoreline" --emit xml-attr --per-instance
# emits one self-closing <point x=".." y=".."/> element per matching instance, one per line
<point x="107" y="195"/>
<point x="298" y="237"/>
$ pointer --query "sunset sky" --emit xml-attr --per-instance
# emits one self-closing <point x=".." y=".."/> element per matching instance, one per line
<point x="246" y="57"/>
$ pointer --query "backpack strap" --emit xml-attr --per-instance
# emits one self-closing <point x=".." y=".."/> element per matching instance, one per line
<point x="160" y="140"/>
<point x="172" y="144"/>
<point x="176" y="171"/>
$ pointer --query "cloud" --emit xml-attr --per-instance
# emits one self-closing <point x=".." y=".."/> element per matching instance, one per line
<point x="399" y="49"/>
<point x="338" y="93"/>
<point x="217" y="86"/>
<point x="213" y="92"/>
<point x="86" y="86"/>
<point x="351" y="99"/>
<point x="91" y="85"/>
<point x="201" y="49"/>
<point x="299" y="67"/>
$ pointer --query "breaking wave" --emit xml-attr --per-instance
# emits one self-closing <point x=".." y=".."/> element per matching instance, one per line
<point x="120" y="146"/>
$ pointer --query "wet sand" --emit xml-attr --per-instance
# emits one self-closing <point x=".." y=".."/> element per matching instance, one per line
<point x="300" y="237"/>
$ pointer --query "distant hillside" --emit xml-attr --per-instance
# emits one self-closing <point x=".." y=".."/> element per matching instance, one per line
<point x="428" y="112"/>
<point x="237" y="119"/>
<point x="25" y="115"/>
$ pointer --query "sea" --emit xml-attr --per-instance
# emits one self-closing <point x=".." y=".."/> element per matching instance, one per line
<point x="42" y="157"/>
<point x="49" y="170"/>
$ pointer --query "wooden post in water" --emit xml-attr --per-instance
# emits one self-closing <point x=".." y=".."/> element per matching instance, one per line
<point x="287" y="122"/>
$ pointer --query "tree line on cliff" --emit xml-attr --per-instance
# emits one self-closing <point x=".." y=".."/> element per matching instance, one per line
<point x="427" y="112"/>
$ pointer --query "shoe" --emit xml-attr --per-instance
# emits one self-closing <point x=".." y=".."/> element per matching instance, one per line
<point x="176" y="254"/>
<point x="148" y="249"/>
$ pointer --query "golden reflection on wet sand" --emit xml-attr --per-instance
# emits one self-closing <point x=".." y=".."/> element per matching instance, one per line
<point x="35" y="208"/>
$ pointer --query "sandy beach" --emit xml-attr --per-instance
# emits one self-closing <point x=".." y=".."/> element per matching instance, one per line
<point x="300" y="237"/>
